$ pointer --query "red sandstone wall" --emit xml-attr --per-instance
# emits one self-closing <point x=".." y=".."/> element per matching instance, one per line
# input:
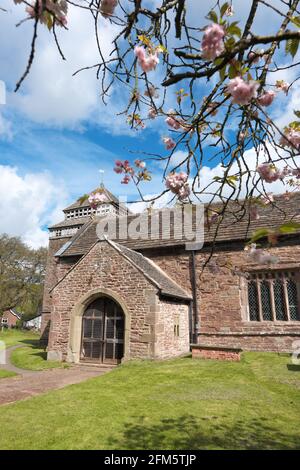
<point x="222" y="300"/>
<point x="53" y="273"/>
<point x="103" y="267"/>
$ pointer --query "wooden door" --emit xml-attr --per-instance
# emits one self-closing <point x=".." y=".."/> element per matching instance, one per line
<point x="103" y="332"/>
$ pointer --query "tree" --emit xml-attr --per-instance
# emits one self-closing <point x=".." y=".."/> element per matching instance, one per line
<point x="218" y="72"/>
<point x="22" y="272"/>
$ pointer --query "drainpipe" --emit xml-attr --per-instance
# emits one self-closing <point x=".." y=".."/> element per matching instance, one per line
<point x="195" y="322"/>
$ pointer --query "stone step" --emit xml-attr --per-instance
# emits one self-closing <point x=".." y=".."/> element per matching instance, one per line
<point x="95" y="366"/>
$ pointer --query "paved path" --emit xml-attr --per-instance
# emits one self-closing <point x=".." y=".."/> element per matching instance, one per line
<point x="31" y="383"/>
<point x="9" y="365"/>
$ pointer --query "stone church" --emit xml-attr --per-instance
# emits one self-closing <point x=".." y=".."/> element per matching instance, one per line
<point x="113" y="299"/>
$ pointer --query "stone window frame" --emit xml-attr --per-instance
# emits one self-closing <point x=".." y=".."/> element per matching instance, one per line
<point x="270" y="276"/>
<point x="176" y="327"/>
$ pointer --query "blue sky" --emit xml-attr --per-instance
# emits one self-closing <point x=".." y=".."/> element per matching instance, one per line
<point x="55" y="134"/>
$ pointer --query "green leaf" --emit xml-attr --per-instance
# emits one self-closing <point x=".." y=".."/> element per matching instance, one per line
<point x="295" y="125"/>
<point x="224" y="8"/>
<point x="83" y="198"/>
<point x="297" y="113"/>
<point x="212" y="15"/>
<point x="234" y="30"/>
<point x="229" y="44"/>
<point x="289" y="227"/>
<point x="291" y="46"/>
<point x="233" y="71"/>
<point x="296" y="21"/>
<point x="222" y="72"/>
<point x="258" y="234"/>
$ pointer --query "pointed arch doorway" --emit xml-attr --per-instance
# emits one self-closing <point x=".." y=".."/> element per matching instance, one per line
<point x="103" y="325"/>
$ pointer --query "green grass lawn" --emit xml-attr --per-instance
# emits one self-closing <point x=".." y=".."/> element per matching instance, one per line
<point x="32" y="357"/>
<point x="6" y="373"/>
<point x="11" y="337"/>
<point x="176" y="404"/>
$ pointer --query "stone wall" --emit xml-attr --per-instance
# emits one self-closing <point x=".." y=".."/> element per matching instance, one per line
<point x="222" y="296"/>
<point x="103" y="269"/>
<point x="55" y="270"/>
<point x="172" y="329"/>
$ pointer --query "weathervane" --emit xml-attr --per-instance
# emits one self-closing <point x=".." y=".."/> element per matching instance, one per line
<point x="101" y="178"/>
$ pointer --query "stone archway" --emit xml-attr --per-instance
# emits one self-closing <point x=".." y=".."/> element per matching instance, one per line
<point x="77" y="321"/>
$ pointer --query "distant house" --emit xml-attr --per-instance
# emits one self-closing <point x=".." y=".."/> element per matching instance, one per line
<point x="9" y="318"/>
<point x="34" y="324"/>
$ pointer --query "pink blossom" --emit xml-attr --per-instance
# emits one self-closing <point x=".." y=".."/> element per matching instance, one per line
<point x="96" y="198"/>
<point x="58" y="9"/>
<point x="147" y="62"/>
<point x="296" y="173"/>
<point x="140" y="163"/>
<point x="152" y="113"/>
<point x="268" y="172"/>
<point x="118" y="170"/>
<point x="173" y="121"/>
<point x="291" y="139"/>
<point x="267" y="98"/>
<point x="123" y="167"/>
<point x="261" y="256"/>
<point x="152" y="92"/>
<point x="283" y="86"/>
<point x="255" y="56"/>
<point x="169" y="143"/>
<point x="126" y="179"/>
<point x="107" y="7"/>
<point x="267" y="199"/>
<point x="213" y="217"/>
<point x="178" y="184"/>
<point x="241" y="91"/>
<point x="212" y="42"/>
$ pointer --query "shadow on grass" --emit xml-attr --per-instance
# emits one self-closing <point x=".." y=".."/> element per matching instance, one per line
<point x="186" y="432"/>
<point x="33" y="343"/>
<point x="294" y="367"/>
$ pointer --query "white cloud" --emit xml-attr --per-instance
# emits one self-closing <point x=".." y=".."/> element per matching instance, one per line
<point x="27" y="204"/>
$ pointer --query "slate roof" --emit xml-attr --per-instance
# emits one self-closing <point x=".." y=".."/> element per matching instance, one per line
<point x="85" y="204"/>
<point x="230" y="229"/>
<point x="70" y="222"/>
<point x="153" y="272"/>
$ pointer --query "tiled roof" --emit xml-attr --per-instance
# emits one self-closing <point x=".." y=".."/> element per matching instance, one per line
<point x="70" y="222"/>
<point x="153" y="272"/>
<point x="232" y="228"/>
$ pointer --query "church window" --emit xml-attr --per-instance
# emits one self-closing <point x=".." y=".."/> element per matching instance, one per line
<point x="274" y="296"/>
